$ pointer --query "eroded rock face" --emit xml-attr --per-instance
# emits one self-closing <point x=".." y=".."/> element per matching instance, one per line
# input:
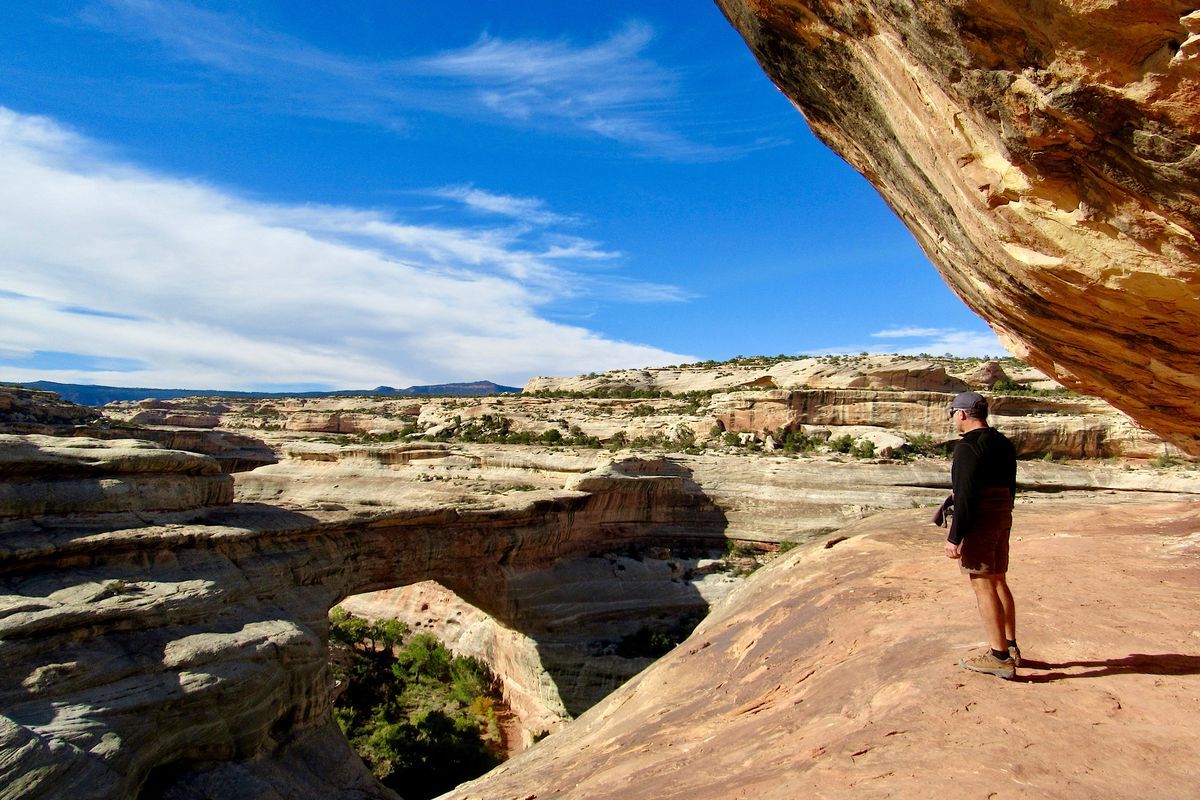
<point x="886" y="399"/>
<point x="1044" y="156"/>
<point x="133" y="646"/>
<point x="1079" y="427"/>
<point x="154" y="645"/>
<point x="32" y="411"/>
<point x="77" y="475"/>
<point x="824" y="372"/>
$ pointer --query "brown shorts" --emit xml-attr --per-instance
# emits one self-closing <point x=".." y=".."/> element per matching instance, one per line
<point x="985" y="547"/>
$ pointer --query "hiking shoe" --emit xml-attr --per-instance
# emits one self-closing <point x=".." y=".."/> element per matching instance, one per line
<point x="989" y="664"/>
<point x="1014" y="653"/>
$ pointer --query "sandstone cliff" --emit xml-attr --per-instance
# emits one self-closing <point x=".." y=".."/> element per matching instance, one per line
<point x="888" y="400"/>
<point x="1044" y="156"/>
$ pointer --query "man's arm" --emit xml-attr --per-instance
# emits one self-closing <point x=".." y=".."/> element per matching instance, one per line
<point x="962" y="473"/>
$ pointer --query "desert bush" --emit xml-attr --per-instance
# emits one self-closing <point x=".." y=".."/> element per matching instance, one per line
<point x="645" y="643"/>
<point x="796" y="441"/>
<point x="864" y="449"/>
<point x="842" y="444"/>
<point x="415" y="713"/>
<point x="1163" y="461"/>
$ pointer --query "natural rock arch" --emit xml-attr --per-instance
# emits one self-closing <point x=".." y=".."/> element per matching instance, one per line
<point x="152" y="650"/>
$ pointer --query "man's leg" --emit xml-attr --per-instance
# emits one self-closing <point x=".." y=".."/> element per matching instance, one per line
<point x="1010" y="608"/>
<point x="991" y="611"/>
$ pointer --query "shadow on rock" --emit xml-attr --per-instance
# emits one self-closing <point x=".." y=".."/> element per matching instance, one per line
<point x="1133" y="664"/>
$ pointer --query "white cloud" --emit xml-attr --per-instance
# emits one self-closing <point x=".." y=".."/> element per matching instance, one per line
<point x="203" y="288"/>
<point x="912" y="332"/>
<point x="526" y="209"/>
<point x="610" y="88"/>
<point x="914" y="340"/>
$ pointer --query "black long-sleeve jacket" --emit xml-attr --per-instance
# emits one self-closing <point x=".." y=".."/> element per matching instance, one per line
<point x="984" y="458"/>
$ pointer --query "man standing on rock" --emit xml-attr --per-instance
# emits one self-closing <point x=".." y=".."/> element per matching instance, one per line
<point x="984" y="477"/>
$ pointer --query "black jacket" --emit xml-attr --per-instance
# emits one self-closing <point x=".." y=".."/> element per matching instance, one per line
<point x="984" y="458"/>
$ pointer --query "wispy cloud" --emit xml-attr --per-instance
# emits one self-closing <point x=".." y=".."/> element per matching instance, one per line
<point x="920" y="339"/>
<point x="912" y="332"/>
<point x="611" y="88"/>
<point x="182" y="284"/>
<point x="915" y="339"/>
<point x="526" y="209"/>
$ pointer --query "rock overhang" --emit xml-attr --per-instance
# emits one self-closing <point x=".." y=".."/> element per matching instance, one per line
<point x="1047" y="163"/>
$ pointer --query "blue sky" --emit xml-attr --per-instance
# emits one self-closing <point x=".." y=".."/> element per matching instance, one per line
<point x="311" y="195"/>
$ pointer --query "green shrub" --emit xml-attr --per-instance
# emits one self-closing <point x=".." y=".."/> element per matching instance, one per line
<point x="415" y="713"/>
<point x="923" y="444"/>
<point x="796" y="441"/>
<point x="864" y="449"/>
<point x="1163" y="461"/>
<point x="645" y="643"/>
<point x="842" y="444"/>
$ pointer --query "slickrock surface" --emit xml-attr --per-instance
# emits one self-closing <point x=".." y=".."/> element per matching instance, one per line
<point x="56" y="475"/>
<point x="1044" y="156"/>
<point x="832" y="674"/>
<point x="234" y="452"/>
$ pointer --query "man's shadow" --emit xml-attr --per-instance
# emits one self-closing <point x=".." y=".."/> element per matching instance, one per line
<point x="1134" y="663"/>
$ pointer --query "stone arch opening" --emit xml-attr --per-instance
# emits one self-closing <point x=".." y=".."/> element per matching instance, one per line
<point x="572" y="600"/>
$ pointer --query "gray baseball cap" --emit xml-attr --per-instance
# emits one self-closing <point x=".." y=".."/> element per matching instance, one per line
<point x="969" y="400"/>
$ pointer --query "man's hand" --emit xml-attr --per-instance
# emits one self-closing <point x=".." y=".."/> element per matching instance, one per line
<point x="953" y="550"/>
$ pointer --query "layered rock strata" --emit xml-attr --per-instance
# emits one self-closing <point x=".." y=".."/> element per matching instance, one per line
<point x="133" y="648"/>
<point x="167" y="643"/>
<point x="1078" y="427"/>
<point x="183" y="654"/>
<point x="889" y="400"/>
<point x="1045" y="158"/>
<point x="32" y="411"/>
<point x="42" y="475"/>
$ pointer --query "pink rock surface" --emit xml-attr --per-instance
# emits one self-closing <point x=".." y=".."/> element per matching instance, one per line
<point x="834" y="674"/>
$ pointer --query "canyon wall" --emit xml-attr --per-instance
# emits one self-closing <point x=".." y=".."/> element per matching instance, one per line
<point x="156" y="651"/>
<point x="1043" y="155"/>
<point x="163" y="623"/>
<point x="889" y="400"/>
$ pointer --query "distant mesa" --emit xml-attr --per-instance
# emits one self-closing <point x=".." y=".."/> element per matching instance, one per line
<point x="89" y="395"/>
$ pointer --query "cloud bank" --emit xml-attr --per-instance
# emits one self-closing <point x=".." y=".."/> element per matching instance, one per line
<point x="113" y="274"/>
